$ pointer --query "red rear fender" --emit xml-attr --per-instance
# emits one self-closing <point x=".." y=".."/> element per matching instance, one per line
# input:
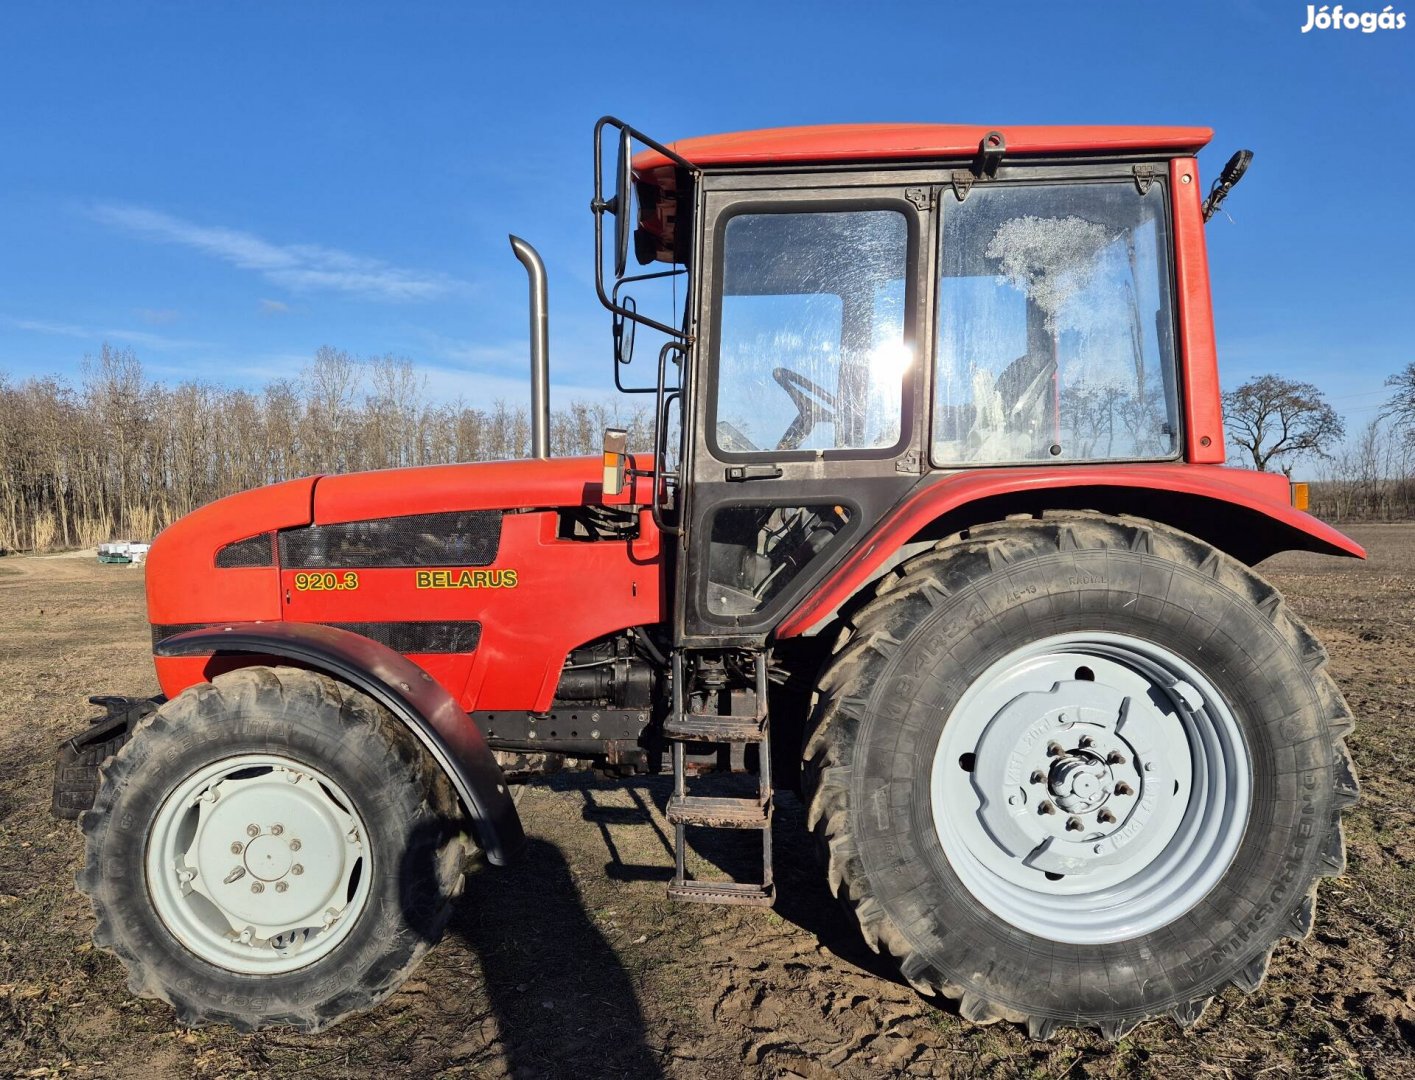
<point x="1246" y="514"/>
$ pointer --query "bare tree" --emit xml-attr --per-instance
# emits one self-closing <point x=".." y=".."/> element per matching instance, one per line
<point x="1400" y="407"/>
<point x="1276" y="420"/>
<point x="125" y="455"/>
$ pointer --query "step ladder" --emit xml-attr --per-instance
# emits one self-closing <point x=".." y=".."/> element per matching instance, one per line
<point x="737" y="732"/>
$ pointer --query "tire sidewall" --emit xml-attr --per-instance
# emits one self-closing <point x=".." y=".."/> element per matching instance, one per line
<point x="1176" y="606"/>
<point x="399" y="919"/>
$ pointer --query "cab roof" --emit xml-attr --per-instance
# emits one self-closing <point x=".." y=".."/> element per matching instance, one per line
<point x="915" y="142"/>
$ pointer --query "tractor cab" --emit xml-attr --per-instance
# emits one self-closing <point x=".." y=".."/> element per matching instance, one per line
<point x="870" y="307"/>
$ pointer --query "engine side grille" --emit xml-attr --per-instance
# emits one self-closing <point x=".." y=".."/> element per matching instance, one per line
<point x="402" y="637"/>
<point x="252" y="551"/>
<point x="461" y="538"/>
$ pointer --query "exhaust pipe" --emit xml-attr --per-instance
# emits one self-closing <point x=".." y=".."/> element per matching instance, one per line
<point x="540" y="347"/>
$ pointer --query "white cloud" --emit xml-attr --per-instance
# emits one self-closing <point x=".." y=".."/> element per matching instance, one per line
<point x="299" y="267"/>
<point x="274" y="307"/>
<point x="87" y="333"/>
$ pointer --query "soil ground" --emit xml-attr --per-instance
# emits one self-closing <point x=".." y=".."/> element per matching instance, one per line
<point x="572" y="963"/>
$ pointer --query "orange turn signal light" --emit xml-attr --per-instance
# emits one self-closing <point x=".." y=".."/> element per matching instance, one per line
<point x="616" y="460"/>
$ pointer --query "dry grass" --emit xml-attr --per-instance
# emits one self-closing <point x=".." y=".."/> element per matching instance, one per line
<point x="573" y="964"/>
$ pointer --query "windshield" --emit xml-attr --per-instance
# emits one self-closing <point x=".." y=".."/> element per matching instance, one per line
<point x="1055" y="338"/>
<point x="811" y="352"/>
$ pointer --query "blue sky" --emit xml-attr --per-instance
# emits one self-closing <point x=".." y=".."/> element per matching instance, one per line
<point x="226" y="187"/>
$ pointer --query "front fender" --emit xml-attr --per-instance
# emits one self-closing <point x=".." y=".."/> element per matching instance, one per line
<point x="398" y="684"/>
<point x="1246" y="514"/>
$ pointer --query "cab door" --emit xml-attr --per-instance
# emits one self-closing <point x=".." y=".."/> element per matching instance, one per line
<point x="803" y="423"/>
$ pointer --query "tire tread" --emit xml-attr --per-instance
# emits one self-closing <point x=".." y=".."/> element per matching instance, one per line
<point x="954" y="563"/>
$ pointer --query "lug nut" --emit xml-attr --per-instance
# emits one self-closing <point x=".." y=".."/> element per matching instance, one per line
<point x="295" y="845"/>
<point x="1054" y="750"/>
<point x="257" y="886"/>
<point x="297" y="869"/>
<point x="1073" y="824"/>
<point x="1086" y="741"/>
<point x="1039" y="777"/>
<point x="1123" y="788"/>
<point x="1046" y="807"/>
<point x="281" y="886"/>
<point x="1115" y="757"/>
<point x="237" y="847"/>
<point x="276" y="830"/>
<point x="1107" y="817"/>
<point x="252" y="830"/>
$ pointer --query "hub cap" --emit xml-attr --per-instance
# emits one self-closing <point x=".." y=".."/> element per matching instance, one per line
<point x="1091" y="787"/>
<point x="258" y="864"/>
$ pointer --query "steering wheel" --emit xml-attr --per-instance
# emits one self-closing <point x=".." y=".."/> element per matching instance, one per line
<point x="814" y="405"/>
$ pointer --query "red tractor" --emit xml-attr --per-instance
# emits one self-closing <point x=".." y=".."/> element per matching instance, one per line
<point x="934" y="530"/>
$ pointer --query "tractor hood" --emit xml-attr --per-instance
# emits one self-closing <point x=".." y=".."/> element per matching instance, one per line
<point x="492" y="485"/>
<point x="218" y="562"/>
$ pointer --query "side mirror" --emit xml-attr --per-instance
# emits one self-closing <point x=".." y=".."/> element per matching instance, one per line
<point x="616" y="462"/>
<point x="1227" y="180"/>
<point x="623" y="329"/>
<point x="623" y="205"/>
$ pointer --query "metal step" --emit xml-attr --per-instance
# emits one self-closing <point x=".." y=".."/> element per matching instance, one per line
<point x="707" y="727"/>
<point x="723" y="892"/>
<point x="719" y="813"/>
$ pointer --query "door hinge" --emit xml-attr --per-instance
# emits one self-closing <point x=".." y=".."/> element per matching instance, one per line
<point x="1144" y="177"/>
<point x="908" y="463"/>
<point x="922" y="198"/>
<point x="962" y="182"/>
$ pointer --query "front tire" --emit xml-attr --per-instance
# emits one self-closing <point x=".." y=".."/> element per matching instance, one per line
<point x="1078" y="770"/>
<point x="271" y="848"/>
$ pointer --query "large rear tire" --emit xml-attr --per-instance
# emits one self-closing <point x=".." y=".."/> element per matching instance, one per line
<point x="1078" y="770"/>
<point x="271" y="848"/>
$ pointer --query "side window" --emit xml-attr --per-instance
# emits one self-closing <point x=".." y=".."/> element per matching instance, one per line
<point x="1054" y="326"/>
<point x="811" y="352"/>
<point x="755" y="551"/>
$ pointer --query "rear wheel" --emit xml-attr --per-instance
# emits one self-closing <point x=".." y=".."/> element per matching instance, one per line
<point x="1081" y="770"/>
<point x="271" y="848"/>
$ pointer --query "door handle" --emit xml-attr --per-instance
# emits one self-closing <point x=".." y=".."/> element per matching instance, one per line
<point x="738" y="473"/>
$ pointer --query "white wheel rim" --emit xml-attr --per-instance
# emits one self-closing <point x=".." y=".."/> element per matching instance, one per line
<point x="1091" y="787"/>
<point x="258" y="864"/>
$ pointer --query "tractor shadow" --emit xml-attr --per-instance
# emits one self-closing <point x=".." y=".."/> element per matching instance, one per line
<point x="803" y="897"/>
<point x="559" y="993"/>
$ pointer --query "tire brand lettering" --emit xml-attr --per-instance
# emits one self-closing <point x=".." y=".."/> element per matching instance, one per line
<point x="466" y="579"/>
<point x="881" y="803"/>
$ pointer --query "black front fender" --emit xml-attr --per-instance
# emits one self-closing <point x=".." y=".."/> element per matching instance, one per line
<point x="398" y="684"/>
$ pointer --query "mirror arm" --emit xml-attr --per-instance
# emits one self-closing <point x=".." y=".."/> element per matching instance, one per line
<point x="660" y="426"/>
<point x="1227" y="180"/>
<point x="599" y="206"/>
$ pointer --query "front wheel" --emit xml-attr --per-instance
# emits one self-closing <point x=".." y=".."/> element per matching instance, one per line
<point x="1080" y="770"/>
<point x="271" y="848"/>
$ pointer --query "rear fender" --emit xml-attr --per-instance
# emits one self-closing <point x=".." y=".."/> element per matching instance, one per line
<point x="397" y="683"/>
<point x="1245" y="514"/>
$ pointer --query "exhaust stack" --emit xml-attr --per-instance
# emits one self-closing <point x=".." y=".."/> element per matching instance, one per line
<point x="540" y="347"/>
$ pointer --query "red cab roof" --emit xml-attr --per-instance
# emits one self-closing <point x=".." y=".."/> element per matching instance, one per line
<point x="914" y="142"/>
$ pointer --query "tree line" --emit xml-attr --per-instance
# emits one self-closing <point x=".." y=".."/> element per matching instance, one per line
<point x="1273" y="422"/>
<point x="120" y="455"/>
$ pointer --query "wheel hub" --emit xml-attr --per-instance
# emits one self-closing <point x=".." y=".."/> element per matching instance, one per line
<point x="1080" y="782"/>
<point x="1100" y="767"/>
<point x="258" y="864"/>
<point x="268" y="858"/>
